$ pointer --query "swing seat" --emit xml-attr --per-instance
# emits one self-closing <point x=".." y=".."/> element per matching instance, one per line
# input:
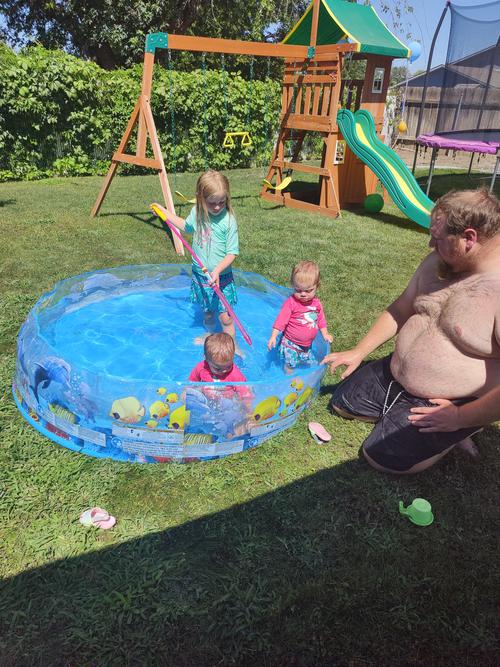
<point x="184" y="198"/>
<point x="278" y="188"/>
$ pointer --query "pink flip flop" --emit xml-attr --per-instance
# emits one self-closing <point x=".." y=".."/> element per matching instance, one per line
<point x="106" y="524"/>
<point x="319" y="433"/>
<point x="98" y="517"/>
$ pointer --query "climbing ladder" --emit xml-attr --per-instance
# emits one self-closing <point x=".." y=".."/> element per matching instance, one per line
<point x="309" y="103"/>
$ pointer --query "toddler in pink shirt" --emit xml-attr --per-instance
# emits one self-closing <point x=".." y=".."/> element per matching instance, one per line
<point x="219" y="366"/>
<point x="300" y="318"/>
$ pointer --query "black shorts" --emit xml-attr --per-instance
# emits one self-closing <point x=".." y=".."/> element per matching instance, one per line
<point x="395" y="444"/>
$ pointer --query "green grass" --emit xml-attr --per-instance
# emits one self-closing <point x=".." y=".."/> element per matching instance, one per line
<point x="289" y="554"/>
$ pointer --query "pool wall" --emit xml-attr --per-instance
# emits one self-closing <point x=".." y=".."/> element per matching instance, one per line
<point x="146" y="420"/>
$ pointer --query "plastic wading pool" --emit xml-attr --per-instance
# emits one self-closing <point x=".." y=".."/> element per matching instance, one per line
<point x="102" y="362"/>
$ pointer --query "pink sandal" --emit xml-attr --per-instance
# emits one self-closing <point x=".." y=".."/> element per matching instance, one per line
<point x="96" y="516"/>
<point x="319" y="433"/>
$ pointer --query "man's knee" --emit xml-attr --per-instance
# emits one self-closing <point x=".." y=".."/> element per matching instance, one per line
<point x="347" y="415"/>
<point x="411" y="469"/>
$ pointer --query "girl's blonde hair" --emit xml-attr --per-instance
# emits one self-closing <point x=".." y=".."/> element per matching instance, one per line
<point x="210" y="183"/>
<point x="306" y="270"/>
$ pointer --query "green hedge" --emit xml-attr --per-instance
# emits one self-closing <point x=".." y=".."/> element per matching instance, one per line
<point x="60" y="115"/>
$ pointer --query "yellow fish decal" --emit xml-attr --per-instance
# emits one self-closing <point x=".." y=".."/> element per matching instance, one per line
<point x="171" y="398"/>
<point x="159" y="409"/>
<point x="266" y="408"/>
<point x="179" y="418"/>
<point x="151" y="423"/>
<point x="297" y="384"/>
<point x="303" y="398"/>
<point x="290" y="398"/>
<point x="128" y="410"/>
<point x="161" y="391"/>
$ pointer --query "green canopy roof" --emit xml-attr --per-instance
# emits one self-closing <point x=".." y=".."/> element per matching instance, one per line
<point x="346" y="21"/>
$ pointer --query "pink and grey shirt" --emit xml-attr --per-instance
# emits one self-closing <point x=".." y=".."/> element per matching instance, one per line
<point x="300" y="322"/>
<point x="202" y="373"/>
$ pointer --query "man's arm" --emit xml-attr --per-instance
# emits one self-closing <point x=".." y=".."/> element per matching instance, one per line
<point x="386" y="326"/>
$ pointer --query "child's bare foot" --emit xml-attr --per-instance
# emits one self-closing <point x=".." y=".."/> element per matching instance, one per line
<point x="200" y="340"/>
<point x="209" y="321"/>
<point x="468" y="445"/>
<point x="288" y="369"/>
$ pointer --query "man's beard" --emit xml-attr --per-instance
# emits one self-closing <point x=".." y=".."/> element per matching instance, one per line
<point x="444" y="271"/>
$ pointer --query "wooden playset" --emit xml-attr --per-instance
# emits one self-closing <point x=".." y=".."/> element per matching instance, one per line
<point x="314" y="52"/>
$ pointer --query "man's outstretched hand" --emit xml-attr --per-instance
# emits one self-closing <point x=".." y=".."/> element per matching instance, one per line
<point x="351" y="359"/>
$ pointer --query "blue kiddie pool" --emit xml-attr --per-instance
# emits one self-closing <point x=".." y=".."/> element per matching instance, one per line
<point x="102" y="363"/>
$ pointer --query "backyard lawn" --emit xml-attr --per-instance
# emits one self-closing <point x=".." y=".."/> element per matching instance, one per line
<point x="293" y="553"/>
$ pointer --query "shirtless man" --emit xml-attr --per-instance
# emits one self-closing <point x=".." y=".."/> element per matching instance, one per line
<point x="442" y="383"/>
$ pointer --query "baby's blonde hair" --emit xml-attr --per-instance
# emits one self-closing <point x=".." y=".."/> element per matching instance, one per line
<point x="210" y="183"/>
<point x="219" y="347"/>
<point x="308" y="271"/>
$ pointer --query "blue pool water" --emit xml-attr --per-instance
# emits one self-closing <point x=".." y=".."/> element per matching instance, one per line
<point x="150" y="335"/>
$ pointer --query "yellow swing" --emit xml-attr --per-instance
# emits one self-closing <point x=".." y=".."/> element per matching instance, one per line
<point x="277" y="188"/>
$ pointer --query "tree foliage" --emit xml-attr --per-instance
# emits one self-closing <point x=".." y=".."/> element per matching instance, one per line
<point x="112" y="32"/>
<point x="65" y="116"/>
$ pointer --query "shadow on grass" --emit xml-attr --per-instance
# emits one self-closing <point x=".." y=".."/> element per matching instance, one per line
<point x="7" y="202"/>
<point x="443" y="183"/>
<point x="388" y="218"/>
<point x="322" y="571"/>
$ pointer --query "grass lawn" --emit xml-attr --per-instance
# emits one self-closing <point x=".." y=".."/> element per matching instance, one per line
<point x="289" y="554"/>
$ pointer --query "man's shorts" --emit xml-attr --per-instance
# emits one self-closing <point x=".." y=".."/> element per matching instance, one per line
<point x="372" y="392"/>
<point x="206" y="297"/>
<point x="294" y="354"/>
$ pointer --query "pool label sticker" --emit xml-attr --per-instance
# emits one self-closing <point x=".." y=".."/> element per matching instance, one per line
<point x="147" y="435"/>
<point x="149" y="449"/>
<point x="275" y="425"/>
<point x="95" y="437"/>
<point x="229" y="447"/>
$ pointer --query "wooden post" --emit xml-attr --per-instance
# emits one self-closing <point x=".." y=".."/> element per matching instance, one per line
<point x="143" y="118"/>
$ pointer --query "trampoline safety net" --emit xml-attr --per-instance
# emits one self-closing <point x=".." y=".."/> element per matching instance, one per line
<point x="469" y="106"/>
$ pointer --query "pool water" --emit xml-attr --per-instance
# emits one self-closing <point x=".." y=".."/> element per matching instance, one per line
<point x="151" y="335"/>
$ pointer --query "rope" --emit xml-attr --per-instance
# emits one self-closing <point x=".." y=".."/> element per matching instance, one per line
<point x="205" y="98"/>
<point x="172" y="114"/>
<point x="250" y="96"/>
<point x="224" y="90"/>
<point x="268" y="103"/>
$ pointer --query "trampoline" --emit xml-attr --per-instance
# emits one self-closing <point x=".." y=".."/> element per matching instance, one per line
<point x="468" y="114"/>
<point x="102" y="362"/>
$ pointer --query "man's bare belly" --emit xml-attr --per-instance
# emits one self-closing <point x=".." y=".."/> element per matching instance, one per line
<point x="432" y="368"/>
<point x="447" y="349"/>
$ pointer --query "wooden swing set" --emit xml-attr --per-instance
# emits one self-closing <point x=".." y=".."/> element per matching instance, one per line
<point x="309" y="103"/>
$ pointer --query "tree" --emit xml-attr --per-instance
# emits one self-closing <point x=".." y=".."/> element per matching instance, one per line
<point x="112" y="32"/>
<point x="398" y="74"/>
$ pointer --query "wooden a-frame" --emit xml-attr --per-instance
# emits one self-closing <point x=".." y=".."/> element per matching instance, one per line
<point x="324" y="61"/>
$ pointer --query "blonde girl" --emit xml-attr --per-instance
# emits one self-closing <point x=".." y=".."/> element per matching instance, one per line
<point x="215" y="241"/>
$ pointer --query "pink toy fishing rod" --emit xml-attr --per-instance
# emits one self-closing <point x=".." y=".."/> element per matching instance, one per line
<point x="162" y="214"/>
